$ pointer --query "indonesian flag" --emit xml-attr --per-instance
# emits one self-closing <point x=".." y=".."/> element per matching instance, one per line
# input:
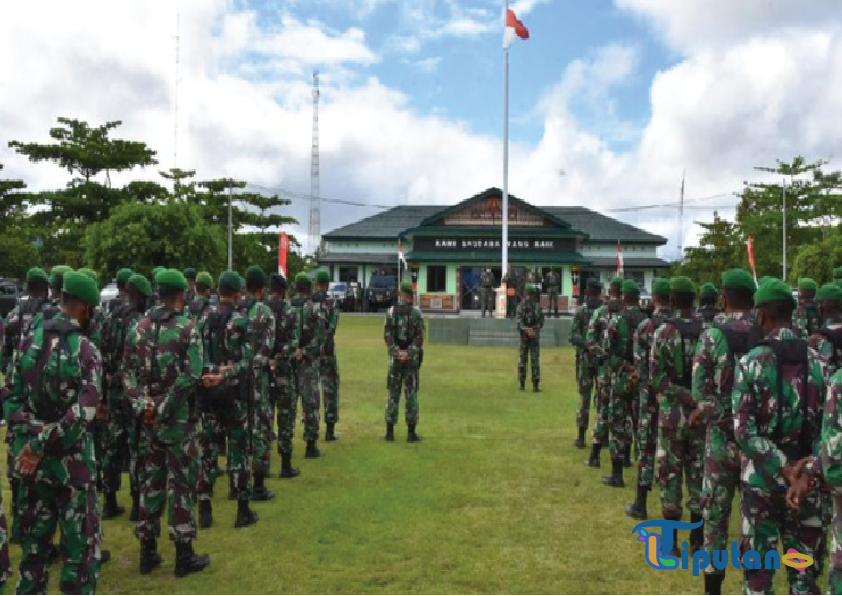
<point x="751" y="257"/>
<point x="513" y="27"/>
<point x="619" y="258"/>
<point x="400" y="254"/>
<point x="283" y="251"/>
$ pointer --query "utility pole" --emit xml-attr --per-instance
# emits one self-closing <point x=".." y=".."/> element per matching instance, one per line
<point x="230" y="226"/>
<point x="177" y="81"/>
<point x="783" y="188"/>
<point x="314" y="231"/>
<point x="681" y="218"/>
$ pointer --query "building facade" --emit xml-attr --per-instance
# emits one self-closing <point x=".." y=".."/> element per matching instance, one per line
<point x="446" y="248"/>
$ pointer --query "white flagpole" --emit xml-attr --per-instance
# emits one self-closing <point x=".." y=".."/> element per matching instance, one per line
<point x="505" y="264"/>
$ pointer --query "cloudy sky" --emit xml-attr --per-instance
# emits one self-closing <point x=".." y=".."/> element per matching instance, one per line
<point x="610" y="100"/>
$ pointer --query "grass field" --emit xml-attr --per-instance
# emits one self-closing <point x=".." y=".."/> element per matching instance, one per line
<point x="495" y="499"/>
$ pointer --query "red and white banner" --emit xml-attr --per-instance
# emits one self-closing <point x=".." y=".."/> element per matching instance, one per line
<point x="619" y="258"/>
<point x="513" y="28"/>
<point x="751" y="257"/>
<point x="401" y="255"/>
<point x="283" y="252"/>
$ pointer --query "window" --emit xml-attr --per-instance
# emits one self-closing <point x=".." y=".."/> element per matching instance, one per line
<point x="436" y="278"/>
<point x="347" y="274"/>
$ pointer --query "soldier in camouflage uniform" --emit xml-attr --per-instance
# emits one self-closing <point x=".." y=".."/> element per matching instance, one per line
<point x="732" y="335"/>
<point x="53" y="399"/>
<point x="647" y="423"/>
<point x="191" y="275"/>
<point x="200" y="304"/>
<point x="403" y="333"/>
<point x="486" y="292"/>
<point x="619" y="349"/>
<point x="5" y="565"/>
<point x="594" y="344"/>
<point x="286" y="342"/>
<point x="310" y="333"/>
<point x="552" y="281"/>
<point x="708" y="304"/>
<point x="585" y="367"/>
<point x="530" y="321"/>
<point x="807" y="316"/>
<point x="827" y="340"/>
<point x="328" y="367"/>
<point x="228" y="367"/>
<point x="778" y="402"/>
<point x="262" y="327"/>
<point x="681" y="447"/>
<point x="163" y="366"/>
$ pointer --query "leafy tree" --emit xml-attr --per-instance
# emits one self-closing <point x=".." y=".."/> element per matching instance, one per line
<point x="17" y="249"/>
<point x="720" y="248"/>
<point x="818" y="260"/>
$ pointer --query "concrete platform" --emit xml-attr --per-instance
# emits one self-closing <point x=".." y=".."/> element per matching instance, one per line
<point x="473" y="331"/>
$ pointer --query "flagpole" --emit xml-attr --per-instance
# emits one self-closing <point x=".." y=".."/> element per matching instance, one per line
<point x="505" y="264"/>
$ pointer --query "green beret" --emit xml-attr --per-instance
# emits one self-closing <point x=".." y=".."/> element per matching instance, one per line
<point x="708" y="289"/>
<point x="230" y="282"/>
<point x="532" y="288"/>
<point x="302" y="279"/>
<point x="322" y="277"/>
<point x="837" y="272"/>
<point x="141" y="284"/>
<point x="617" y="283"/>
<point x="829" y="292"/>
<point x="155" y="270"/>
<point x="171" y="279"/>
<point x="739" y="279"/>
<point x="81" y="286"/>
<point x="190" y="273"/>
<point x="630" y="288"/>
<point x="60" y="270"/>
<point x="683" y="285"/>
<point x="90" y="273"/>
<point x="805" y="284"/>
<point x="661" y="287"/>
<point x="37" y="274"/>
<point x="773" y="290"/>
<point x="594" y="283"/>
<point x="204" y="278"/>
<point x="255" y="277"/>
<point x="763" y="280"/>
<point x="124" y="275"/>
<point x="406" y="288"/>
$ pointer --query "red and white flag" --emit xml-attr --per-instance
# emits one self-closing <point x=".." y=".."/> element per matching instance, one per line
<point x="751" y="257"/>
<point x="513" y="28"/>
<point x="283" y="251"/>
<point x="401" y="255"/>
<point x="619" y="258"/>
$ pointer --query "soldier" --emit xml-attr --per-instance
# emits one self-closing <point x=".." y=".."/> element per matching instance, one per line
<point x="163" y="366"/>
<point x="827" y="340"/>
<point x="552" y="282"/>
<point x="55" y="394"/>
<point x="190" y="275"/>
<point x="122" y="277"/>
<point x="121" y="421"/>
<point x="530" y="321"/>
<point x="286" y="342"/>
<point x="262" y="326"/>
<point x="328" y="367"/>
<point x="708" y="304"/>
<point x="56" y="283"/>
<point x="619" y="348"/>
<point x="486" y="292"/>
<point x="403" y="332"/>
<point x="680" y="446"/>
<point x="807" y="316"/>
<point x="310" y="332"/>
<point x="732" y="335"/>
<point x="778" y="401"/>
<point x="647" y="421"/>
<point x="593" y="343"/>
<point x="200" y="304"/>
<point x="227" y="371"/>
<point x="585" y="367"/>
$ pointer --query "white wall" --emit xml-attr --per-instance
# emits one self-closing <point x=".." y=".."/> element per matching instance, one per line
<point x="610" y="250"/>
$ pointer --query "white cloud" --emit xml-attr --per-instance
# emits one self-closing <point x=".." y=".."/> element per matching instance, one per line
<point x="523" y="7"/>
<point x="429" y="64"/>
<point x="424" y="21"/>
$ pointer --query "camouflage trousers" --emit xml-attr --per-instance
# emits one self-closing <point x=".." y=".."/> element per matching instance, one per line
<point x="680" y="459"/>
<point x="5" y="565"/>
<point x="835" y="576"/>
<point x="168" y="476"/>
<point x="647" y="435"/>
<point x="307" y="389"/>
<point x="72" y="509"/>
<point x="116" y="444"/>
<point x="261" y="425"/>
<point x="603" y="407"/>
<point x="329" y="372"/>
<point x="620" y="406"/>
<point x="14" y="486"/>
<point x="402" y="376"/>
<point x="586" y="377"/>
<point x="765" y="520"/>
<point x="530" y="349"/>
<point x="553" y="305"/>
<point x="237" y="426"/>
<point x="720" y="485"/>
<point x="287" y="406"/>
<point x="210" y="446"/>
<point x="486" y="299"/>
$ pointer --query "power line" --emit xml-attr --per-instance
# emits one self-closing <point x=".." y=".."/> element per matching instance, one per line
<point x="676" y="204"/>
<point x="287" y="194"/>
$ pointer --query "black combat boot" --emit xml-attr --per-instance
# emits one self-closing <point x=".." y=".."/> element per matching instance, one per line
<point x="287" y="471"/>
<point x="697" y="535"/>
<point x="232" y="490"/>
<point x="135" y="512"/>
<point x="411" y="437"/>
<point x="615" y="480"/>
<point x="390" y="432"/>
<point x="535" y="388"/>
<point x="186" y="561"/>
<point x="713" y="583"/>
<point x="149" y="557"/>
<point x="260" y="492"/>
<point x="579" y="443"/>
<point x="205" y="514"/>
<point x="111" y="508"/>
<point x="675" y="552"/>
<point x="245" y="516"/>
<point x="330" y="435"/>
<point x="522" y="385"/>
<point x="637" y="510"/>
<point x="104" y="556"/>
<point x="593" y="460"/>
<point x="627" y="462"/>
<point x="312" y="451"/>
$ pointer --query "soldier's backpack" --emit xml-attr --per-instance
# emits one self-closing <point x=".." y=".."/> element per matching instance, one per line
<point x="28" y="311"/>
<point x="708" y="313"/>
<point x="196" y="307"/>
<point x="632" y="321"/>
<point x="46" y="409"/>
<point x="119" y="327"/>
<point x="812" y="313"/>
<point x="614" y="306"/>
<point x="689" y="331"/>
<point x="739" y="341"/>
<point x="214" y="335"/>
<point x="834" y="336"/>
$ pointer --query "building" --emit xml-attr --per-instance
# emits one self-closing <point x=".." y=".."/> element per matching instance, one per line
<point x="447" y="248"/>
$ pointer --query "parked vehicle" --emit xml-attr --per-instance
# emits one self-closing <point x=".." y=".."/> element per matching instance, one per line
<point x="343" y="294"/>
<point x="380" y="293"/>
<point x="355" y="297"/>
<point x="10" y="294"/>
<point x="109" y="296"/>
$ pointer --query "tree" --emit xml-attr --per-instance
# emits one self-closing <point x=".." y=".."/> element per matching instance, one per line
<point x="818" y="260"/>
<point x="720" y="249"/>
<point x="17" y="248"/>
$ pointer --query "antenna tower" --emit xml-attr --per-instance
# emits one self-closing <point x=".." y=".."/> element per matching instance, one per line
<point x="177" y="81"/>
<point x="315" y="233"/>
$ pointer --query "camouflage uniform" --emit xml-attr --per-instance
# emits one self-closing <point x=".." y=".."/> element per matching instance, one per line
<point x="586" y="371"/>
<point x="285" y="344"/>
<point x="486" y="292"/>
<point x="827" y="342"/>
<point x="553" y="283"/>
<point x="770" y="412"/>
<point x="5" y="565"/>
<point x="807" y="318"/>
<point x="713" y="383"/>
<point x="262" y="329"/>
<point x="594" y="344"/>
<point x="529" y="315"/>
<point x="328" y="367"/>
<point x="310" y="331"/>
<point x="55" y="425"/>
<point x="708" y="314"/>
<point x="403" y="330"/>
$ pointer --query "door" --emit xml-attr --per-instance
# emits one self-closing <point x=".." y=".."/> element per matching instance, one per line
<point x="471" y="277"/>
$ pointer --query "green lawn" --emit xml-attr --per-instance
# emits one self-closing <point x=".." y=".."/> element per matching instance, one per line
<point x="495" y="499"/>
